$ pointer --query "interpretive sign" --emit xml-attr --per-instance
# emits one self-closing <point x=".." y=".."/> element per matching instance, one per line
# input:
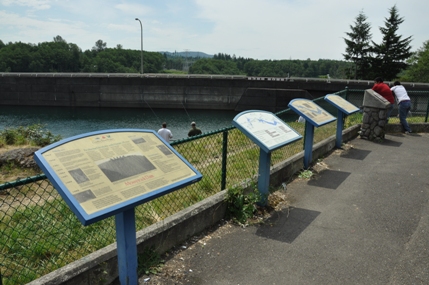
<point x="314" y="116"/>
<point x="342" y="104"/>
<point x="265" y="129"/>
<point x="345" y="108"/>
<point x="100" y="173"/>
<point x="311" y="112"/>
<point x="269" y="133"/>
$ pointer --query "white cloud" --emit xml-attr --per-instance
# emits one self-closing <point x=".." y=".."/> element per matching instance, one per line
<point x="35" y="4"/>
<point x="133" y="9"/>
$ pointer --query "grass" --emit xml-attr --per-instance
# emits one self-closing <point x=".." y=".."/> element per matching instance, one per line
<point x="10" y="172"/>
<point x="23" y="137"/>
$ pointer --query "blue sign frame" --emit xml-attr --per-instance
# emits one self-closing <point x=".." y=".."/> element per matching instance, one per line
<point x="268" y="132"/>
<point x="314" y="116"/>
<point x="310" y="111"/>
<point x="71" y="200"/>
<point x="345" y="108"/>
<point x="256" y="120"/>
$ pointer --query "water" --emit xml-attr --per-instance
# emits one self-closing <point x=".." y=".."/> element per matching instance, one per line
<point x="67" y="121"/>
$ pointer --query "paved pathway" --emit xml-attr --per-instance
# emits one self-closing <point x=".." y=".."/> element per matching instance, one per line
<point x="363" y="220"/>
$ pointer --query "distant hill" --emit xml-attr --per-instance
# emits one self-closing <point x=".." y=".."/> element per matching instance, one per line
<point x="187" y="54"/>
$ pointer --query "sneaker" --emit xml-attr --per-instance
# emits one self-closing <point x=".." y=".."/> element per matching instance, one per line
<point x="407" y="133"/>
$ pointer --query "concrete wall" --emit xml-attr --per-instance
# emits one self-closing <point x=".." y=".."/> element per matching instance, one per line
<point x="155" y="90"/>
<point x="100" y="267"/>
<point x="269" y="99"/>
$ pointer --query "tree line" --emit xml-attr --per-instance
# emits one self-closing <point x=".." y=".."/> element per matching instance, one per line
<point x="226" y="64"/>
<point x="363" y="58"/>
<point x="60" y="56"/>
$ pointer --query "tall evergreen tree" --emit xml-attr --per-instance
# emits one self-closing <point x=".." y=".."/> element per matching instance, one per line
<point x="358" y="47"/>
<point x="390" y="56"/>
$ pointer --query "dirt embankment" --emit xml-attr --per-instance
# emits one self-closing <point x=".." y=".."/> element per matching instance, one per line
<point x="17" y="162"/>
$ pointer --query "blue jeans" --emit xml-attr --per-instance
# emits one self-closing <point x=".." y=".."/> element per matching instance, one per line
<point x="404" y="108"/>
<point x="389" y="111"/>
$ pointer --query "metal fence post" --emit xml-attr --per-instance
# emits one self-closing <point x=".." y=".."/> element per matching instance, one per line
<point x="224" y="157"/>
<point x="347" y="93"/>
<point x="427" y="111"/>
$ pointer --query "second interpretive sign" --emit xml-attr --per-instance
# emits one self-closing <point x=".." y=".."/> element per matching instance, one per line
<point x="102" y="173"/>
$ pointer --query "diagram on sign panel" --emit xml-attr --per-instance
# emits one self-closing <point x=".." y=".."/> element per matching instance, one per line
<point x="261" y="120"/>
<point x="264" y="122"/>
<point x="311" y="110"/>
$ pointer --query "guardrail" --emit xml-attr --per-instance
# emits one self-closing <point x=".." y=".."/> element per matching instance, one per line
<point x="205" y="76"/>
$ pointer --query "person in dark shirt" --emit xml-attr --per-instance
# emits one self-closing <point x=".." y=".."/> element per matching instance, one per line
<point x="194" y="131"/>
<point x="384" y="90"/>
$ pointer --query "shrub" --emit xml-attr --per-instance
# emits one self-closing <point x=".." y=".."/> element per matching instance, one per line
<point x="33" y="135"/>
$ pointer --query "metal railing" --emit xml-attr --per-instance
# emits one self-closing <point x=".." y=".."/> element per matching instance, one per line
<point x="39" y="233"/>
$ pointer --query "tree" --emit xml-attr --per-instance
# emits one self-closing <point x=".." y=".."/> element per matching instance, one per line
<point x="59" y="39"/>
<point x="358" y="46"/>
<point x="390" y="56"/>
<point x="419" y="65"/>
<point x="99" y="46"/>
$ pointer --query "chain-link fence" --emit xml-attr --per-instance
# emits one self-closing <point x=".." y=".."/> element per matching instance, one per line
<point x="39" y="233"/>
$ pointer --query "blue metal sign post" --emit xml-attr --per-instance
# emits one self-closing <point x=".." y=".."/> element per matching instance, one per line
<point x="126" y="246"/>
<point x="269" y="133"/>
<point x="106" y="173"/>
<point x="314" y="116"/>
<point x="308" y="144"/>
<point x="345" y="108"/>
<point x="264" y="175"/>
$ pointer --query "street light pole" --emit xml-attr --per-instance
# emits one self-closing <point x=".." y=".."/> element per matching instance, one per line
<point x="141" y="49"/>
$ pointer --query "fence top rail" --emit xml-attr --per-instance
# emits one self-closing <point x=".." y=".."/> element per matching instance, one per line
<point x="180" y="141"/>
<point x="20" y="182"/>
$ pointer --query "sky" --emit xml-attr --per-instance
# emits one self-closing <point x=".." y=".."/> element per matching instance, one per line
<point x="258" y="29"/>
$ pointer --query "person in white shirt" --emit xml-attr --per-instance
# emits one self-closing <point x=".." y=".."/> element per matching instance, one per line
<point x="404" y="104"/>
<point x="301" y="119"/>
<point x="165" y="133"/>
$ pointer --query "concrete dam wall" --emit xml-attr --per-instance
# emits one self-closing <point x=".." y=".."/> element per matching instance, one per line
<point x="165" y="91"/>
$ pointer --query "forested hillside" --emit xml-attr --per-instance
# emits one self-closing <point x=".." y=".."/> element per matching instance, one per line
<point x="61" y="56"/>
